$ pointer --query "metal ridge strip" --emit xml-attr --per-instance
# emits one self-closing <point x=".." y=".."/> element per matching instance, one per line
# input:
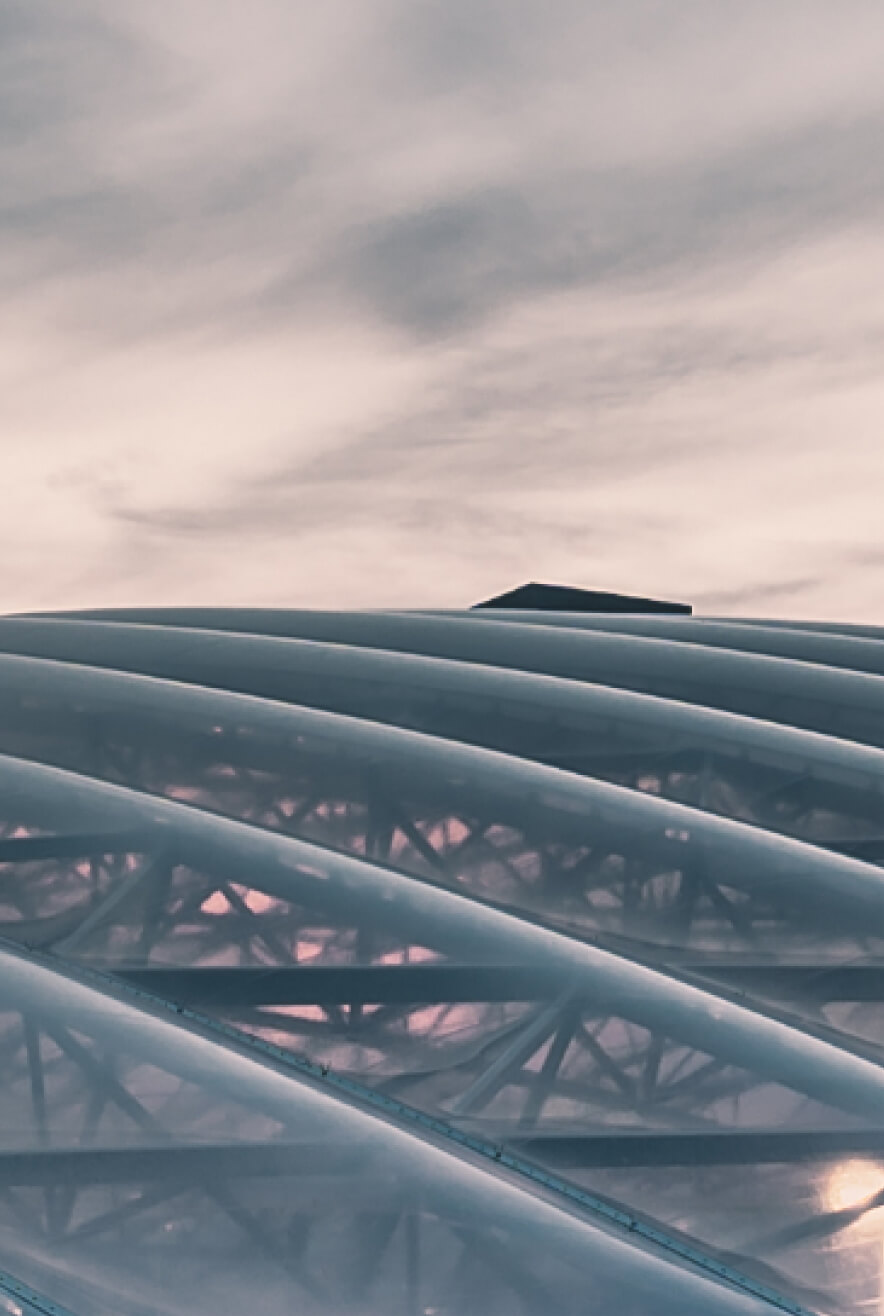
<point x="566" y="1194"/>
<point x="20" y="1292"/>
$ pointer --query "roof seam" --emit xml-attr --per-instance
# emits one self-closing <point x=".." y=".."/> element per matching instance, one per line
<point x="408" y="1117"/>
<point x="18" y="1290"/>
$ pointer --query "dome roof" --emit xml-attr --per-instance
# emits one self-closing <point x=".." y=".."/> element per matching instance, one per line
<point x="427" y="963"/>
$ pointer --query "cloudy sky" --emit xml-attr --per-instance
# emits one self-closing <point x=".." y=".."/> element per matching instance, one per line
<point x="382" y="302"/>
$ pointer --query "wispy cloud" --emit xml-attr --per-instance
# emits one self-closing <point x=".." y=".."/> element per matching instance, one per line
<point x="430" y="298"/>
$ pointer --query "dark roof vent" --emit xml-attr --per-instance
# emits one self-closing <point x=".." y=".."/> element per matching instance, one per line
<point x="565" y="598"/>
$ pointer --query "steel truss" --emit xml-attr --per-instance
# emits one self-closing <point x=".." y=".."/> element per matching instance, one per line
<point x="85" y="1193"/>
<point x="512" y="1051"/>
<point x="106" y="1172"/>
<point x="657" y="894"/>
<point x="538" y="1055"/>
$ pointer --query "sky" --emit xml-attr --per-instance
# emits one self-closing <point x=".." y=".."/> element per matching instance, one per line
<point x="381" y="303"/>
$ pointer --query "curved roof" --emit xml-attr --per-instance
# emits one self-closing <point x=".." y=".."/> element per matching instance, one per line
<point x="410" y="963"/>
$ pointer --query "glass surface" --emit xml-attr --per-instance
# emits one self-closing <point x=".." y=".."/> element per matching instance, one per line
<point x="596" y="859"/>
<point x="590" y="975"/>
<point x="856" y="652"/>
<point x="271" y="621"/>
<point x="574" y="1040"/>
<point x="816" y="1224"/>
<point x="828" y="700"/>
<point x="827" y="790"/>
<point x="149" y="1167"/>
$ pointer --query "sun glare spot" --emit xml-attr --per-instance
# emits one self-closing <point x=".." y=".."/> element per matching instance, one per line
<point x="852" y="1183"/>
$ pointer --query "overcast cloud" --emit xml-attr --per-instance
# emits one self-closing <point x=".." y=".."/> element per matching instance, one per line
<point x="399" y="302"/>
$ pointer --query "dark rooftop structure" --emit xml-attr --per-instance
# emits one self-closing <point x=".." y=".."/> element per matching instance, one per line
<point x="567" y="598"/>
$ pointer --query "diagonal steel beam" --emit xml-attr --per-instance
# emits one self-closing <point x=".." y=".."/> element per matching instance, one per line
<point x="570" y="1197"/>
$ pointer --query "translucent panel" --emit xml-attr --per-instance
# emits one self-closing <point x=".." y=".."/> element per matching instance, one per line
<point x="599" y="861"/>
<point x="521" y="989"/>
<point x="858" y="649"/>
<point x="157" y="736"/>
<point x="823" y="627"/>
<point x="859" y="653"/>
<point x="832" y="701"/>
<point x="776" y="1222"/>
<point x="533" y="1038"/>
<point x="148" y="1167"/>
<point x="237" y="875"/>
<point x="275" y="621"/>
<point x="725" y="901"/>
<point x="231" y="888"/>
<point x="815" y="1222"/>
